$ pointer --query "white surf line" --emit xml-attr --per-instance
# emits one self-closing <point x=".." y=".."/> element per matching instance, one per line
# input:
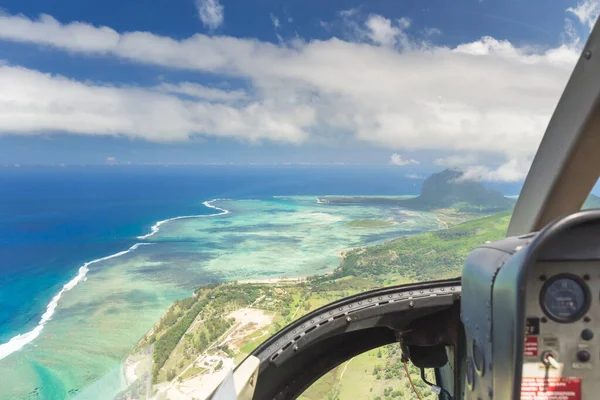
<point x="18" y="341"/>
<point x="156" y="227"/>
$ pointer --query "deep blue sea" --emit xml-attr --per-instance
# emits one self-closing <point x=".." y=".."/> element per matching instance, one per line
<point x="53" y="219"/>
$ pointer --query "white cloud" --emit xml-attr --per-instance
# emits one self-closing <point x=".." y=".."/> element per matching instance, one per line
<point x="202" y="92"/>
<point x="211" y="13"/>
<point x="381" y="31"/>
<point x="75" y="37"/>
<point x="375" y="29"/>
<point x="32" y="102"/>
<point x="569" y="34"/>
<point x="276" y="25"/>
<point x="349" y="12"/>
<point x="586" y="12"/>
<point x="414" y="176"/>
<point x="404" y="22"/>
<point x="457" y="160"/>
<point x="409" y="96"/>
<point x="512" y="171"/>
<point x="431" y="31"/>
<point x="275" y="20"/>
<point x="396" y="159"/>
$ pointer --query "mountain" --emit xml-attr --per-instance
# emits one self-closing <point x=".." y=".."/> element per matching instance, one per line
<point x="441" y="190"/>
<point x="446" y="190"/>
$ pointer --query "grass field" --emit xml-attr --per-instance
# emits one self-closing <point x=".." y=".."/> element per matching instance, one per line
<point x="376" y="374"/>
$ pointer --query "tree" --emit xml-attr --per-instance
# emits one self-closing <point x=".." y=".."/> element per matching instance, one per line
<point x="202" y="341"/>
<point x="171" y="374"/>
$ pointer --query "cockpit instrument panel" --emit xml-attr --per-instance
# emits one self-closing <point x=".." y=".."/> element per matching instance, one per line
<point x="531" y="307"/>
<point x="564" y="297"/>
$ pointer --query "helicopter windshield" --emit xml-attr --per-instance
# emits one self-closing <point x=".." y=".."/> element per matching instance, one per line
<point x="180" y="181"/>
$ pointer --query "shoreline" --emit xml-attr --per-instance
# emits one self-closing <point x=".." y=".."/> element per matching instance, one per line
<point x="342" y="254"/>
<point x="299" y="279"/>
<point x="18" y="341"/>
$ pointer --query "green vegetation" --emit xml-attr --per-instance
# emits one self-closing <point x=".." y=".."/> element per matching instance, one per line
<point x="378" y="373"/>
<point x="208" y="304"/>
<point x="174" y="329"/>
<point x="446" y="189"/>
<point x="432" y="255"/>
<point x="443" y="190"/>
<point x="193" y="371"/>
<point x="194" y="326"/>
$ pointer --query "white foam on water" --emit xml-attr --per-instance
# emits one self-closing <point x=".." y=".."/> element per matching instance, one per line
<point x="156" y="227"/>
<point x="17" y="342"/>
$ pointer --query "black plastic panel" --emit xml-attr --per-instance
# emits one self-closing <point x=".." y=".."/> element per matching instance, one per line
<point x="302" y="352"/>
<point x="495" y="284"/>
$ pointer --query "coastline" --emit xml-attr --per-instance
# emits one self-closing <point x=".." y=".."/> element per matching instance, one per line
<point x="268" y="281"/>
<point x="271" y="290"/>
<point x="194" y="385"/>
<point x="17" y="342"/>
<point x="295" y="279"/>
<point x="185" y="372"/>
<point x="272" y="276"/>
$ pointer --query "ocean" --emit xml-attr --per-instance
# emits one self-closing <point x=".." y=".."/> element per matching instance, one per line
<point x="83" y="253"/>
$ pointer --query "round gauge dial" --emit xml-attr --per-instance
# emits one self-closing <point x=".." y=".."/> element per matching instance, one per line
<point x="565" y="298"/>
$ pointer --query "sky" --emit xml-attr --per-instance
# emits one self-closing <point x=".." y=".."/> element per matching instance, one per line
<point x="416" y="84"/>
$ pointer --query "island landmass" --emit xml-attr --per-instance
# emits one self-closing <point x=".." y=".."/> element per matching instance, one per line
<point x="199" y="339"/>
<point x="442" y="190"/>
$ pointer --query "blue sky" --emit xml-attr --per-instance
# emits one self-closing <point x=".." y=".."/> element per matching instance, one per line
<point x="419" y="84"/>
